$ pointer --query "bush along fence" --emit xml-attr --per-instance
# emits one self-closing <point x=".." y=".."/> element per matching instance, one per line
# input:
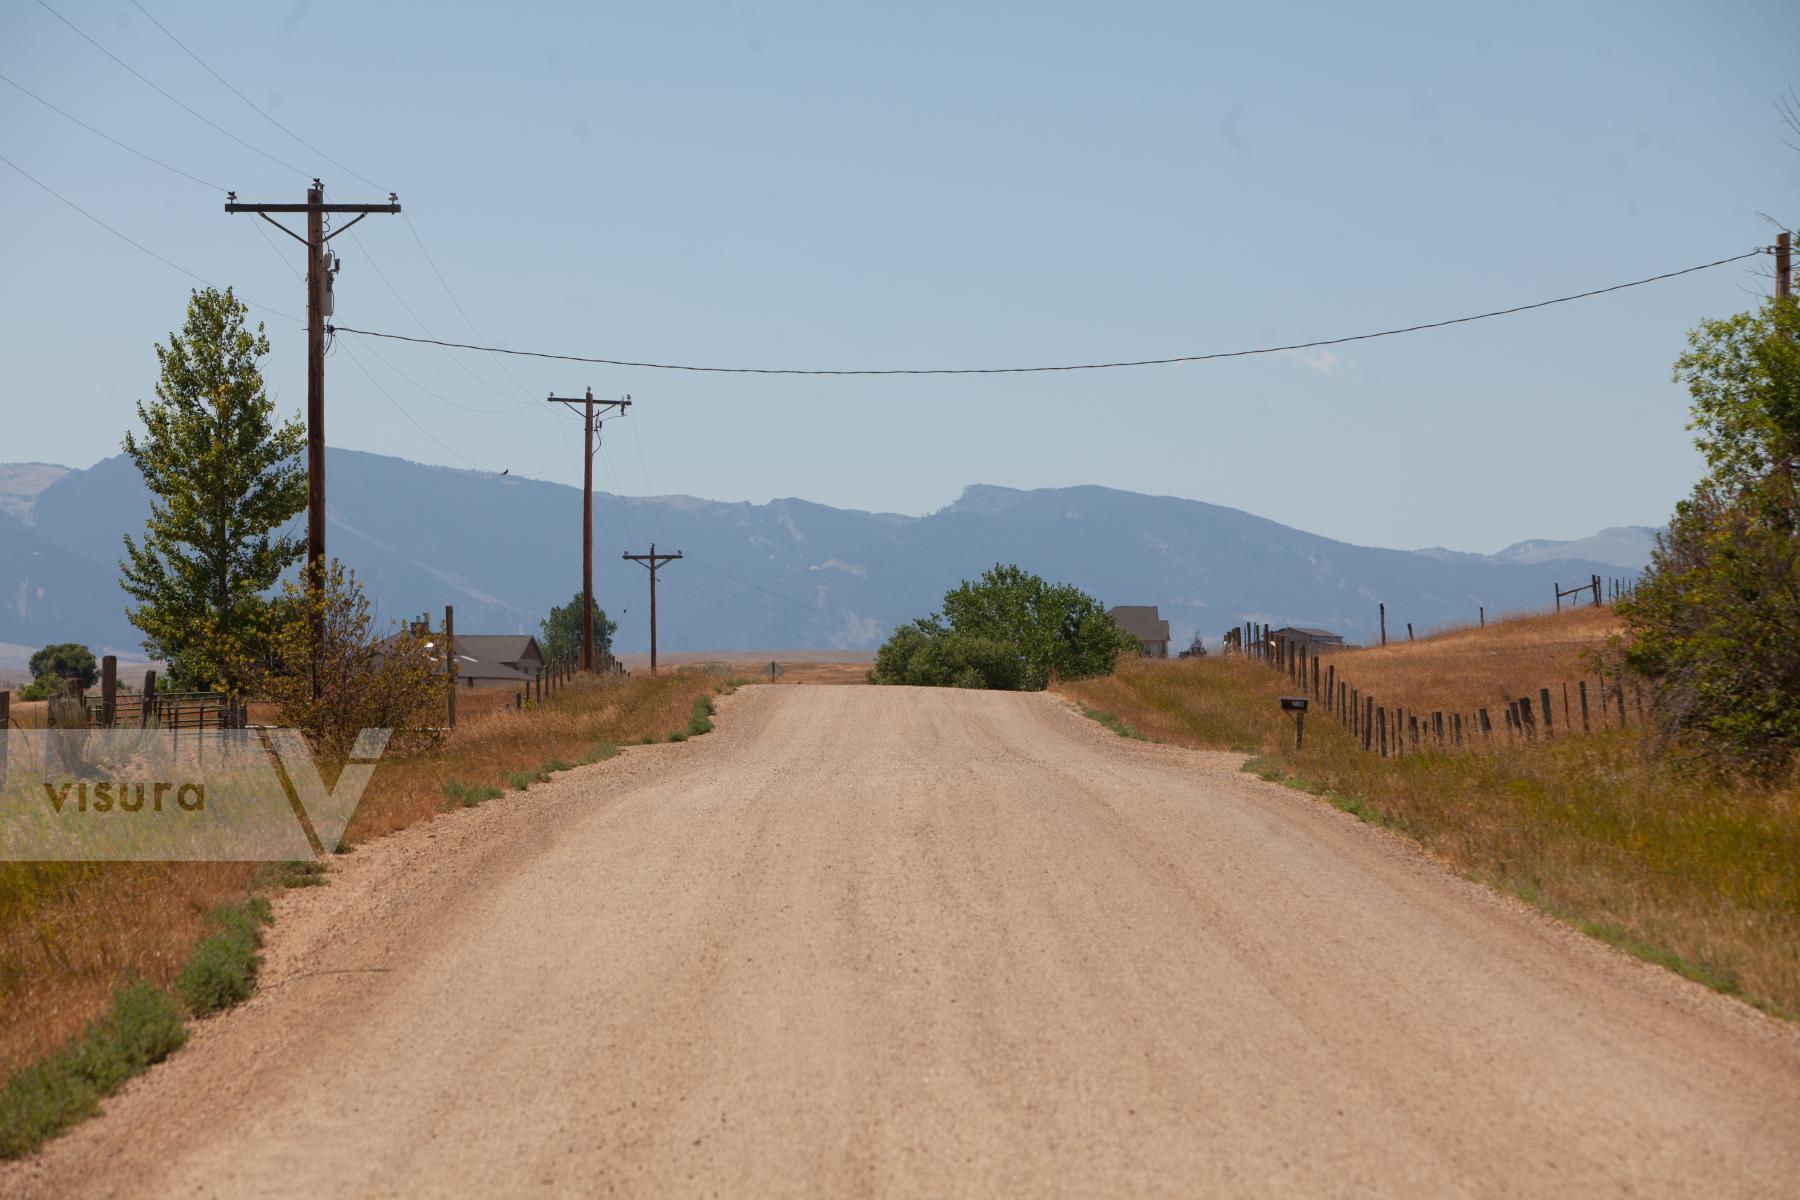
<point x="1395" y="732"/>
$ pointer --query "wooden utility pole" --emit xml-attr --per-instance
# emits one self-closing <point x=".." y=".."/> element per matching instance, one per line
<point x="321" y="266"/>
<point x="652" y="560"/>
<point x="587" y="515"/>
<point x="450" y="666"/>
<point x="1784" y="265"/>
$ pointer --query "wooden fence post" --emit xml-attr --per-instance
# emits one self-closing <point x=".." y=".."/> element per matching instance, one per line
<point x="1582" y="689"/>
<point x="147" y="708"/>
<point x="1437" y="726"/>
<point x="109" y="690"/>
<point x="1412" y="730"/>
<point x="1456" y="727"/>
<point x="5" y="724"/>
<point x="1544" y="699"/>
<point x="1368" y="730"/>
<point x="1567" y="722"/>
<point x="1409" y="633"/>
<point x="1558" y="587"/>
<point x="1526" y="718"/>
<point x="1330" y="687"/>
<point x="1384" y="623"/>
<point x="1381" y="729"/>
<point x="1487" y="726"/>
<point x="1484" y="616"/>
<point x="1619" y="690"/>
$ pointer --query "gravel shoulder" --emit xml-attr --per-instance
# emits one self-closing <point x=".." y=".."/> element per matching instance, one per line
<point x="890" y="941"/>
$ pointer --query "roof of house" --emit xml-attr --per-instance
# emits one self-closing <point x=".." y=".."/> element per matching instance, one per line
<point x="1140" y="621"/>
<point x="468" y="667"/>
<point x="497" y="647"/>
<point x="1311" y="633"/>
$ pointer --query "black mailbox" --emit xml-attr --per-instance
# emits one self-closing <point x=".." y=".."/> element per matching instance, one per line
<point x="1293" y="704"/>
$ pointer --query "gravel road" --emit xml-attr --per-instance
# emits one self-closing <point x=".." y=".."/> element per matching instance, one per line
<point x="883" y="941"/>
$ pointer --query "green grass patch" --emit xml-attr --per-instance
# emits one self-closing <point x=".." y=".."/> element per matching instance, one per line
<point x="518" y="781"/>
<point x="221" y="970"/>
<point x="468" y="795"/>
<point x="647" y="740"/>
<point x="293" y="873"/>
<point x="679" y="735"/>
<point x="143" y="1026"/>
<point x="553" y="765"/>
<point x="1112" y="722"/>
<point x="599" y="752"/>
<point x="700" y="719"/>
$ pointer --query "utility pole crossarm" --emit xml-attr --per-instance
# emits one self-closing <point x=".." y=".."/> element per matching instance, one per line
<point x="653" y="560"/>
<point x="591" y="429"/>
<point x="321" y="266"/>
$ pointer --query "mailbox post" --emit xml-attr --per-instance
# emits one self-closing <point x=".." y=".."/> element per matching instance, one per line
<point x="1297" y="706"/>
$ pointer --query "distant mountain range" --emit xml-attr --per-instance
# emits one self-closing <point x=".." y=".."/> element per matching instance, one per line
<point x="788" y="574"/>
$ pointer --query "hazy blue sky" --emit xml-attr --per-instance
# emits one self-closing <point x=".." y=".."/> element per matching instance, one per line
<point x="844" y="185"/>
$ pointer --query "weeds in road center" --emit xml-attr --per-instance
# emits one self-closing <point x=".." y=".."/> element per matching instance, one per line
<point x="1699" y="873"/>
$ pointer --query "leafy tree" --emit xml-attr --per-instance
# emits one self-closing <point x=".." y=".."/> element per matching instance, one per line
<point x="1715" y="623"/>
<point x="366" y="680"/>
<point x="65" y="660"/>
<point x="1009" y="630"/>
<point x="562" y="631"/>
<point x="224" y="479"/>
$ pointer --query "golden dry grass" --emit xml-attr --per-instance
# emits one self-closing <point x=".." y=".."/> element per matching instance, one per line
<point x="71" y="933"/>
<point x="1699" y="873"/>
<point x="1461" y="670"/>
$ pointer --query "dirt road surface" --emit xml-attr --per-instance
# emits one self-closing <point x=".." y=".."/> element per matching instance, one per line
<point x="880" y="941"/>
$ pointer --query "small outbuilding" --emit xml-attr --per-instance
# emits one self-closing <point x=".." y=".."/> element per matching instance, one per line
<point x="1143" y="622"/>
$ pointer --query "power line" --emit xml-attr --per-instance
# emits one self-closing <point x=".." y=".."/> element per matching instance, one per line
<point x="175" y="266"/>
<point x="806" y="608"/>
<point x="1090" y="366"/>
<point x="415" y="424"/>
<point x="115" y="141"/>
<point x="247" y="100"/>
<point x="166" y="95"/>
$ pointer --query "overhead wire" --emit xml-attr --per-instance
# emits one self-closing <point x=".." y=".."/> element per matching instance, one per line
<point x="247" y="100"/>
<point x="804" y="607"/>
<point x="165" y="94"/>
<point x="1086" y="366"/>
<point x="399" y="408"/>
<point x="684" y="589"/>
<point x="174" y="266"/>
<point x="109" y="137"/>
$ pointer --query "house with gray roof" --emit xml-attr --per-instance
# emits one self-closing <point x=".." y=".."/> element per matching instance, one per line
<point x="1144" y="623"/>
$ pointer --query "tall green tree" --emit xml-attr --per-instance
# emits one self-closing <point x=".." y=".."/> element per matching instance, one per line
<point x="224" y="479"/>
<point x="562" y="630"/>
<point x="1715" y="624"/>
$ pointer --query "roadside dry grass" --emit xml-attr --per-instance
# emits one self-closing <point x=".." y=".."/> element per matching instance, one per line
<point x="71" y="934"/>
<point x="1699" y="874"/>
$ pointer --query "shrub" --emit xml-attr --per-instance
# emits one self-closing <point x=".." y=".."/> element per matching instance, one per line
<point x="1011" y="631"/>
<point x="221" y="971"/>
<point x="141" y="1027"/>
<point x="365" y="681"/>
